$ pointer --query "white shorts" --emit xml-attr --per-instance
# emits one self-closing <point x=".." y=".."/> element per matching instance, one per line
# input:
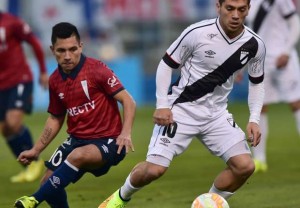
<point x="218" y="135"/>
<point x="282" y="85"/>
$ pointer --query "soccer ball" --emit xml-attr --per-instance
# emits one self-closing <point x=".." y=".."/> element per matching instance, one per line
<point x="210" y="200"/>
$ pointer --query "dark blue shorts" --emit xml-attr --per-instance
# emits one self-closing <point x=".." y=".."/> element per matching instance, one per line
<point x="107" y="147"/>
<point x="18" y="97"/>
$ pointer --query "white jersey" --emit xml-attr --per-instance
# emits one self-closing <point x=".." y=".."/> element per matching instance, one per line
<point x="208" y="61"/>
<point x="268" y="19"/>
<point x="271" y="20"/>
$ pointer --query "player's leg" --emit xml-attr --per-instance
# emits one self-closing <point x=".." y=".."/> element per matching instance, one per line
<point x="240" y="168"/>
<point x="164" y="144"/>
<point x="225" y="139"/>
<point x="290" y="86"/>
<point x="259" y="152"/>
<point x="45" y="192"/>
<point x="295" y="107"/>
<point x="272" y="91"/>
<point x="17" y="135"/>
<point x="70" y="161"/>
<point x="141" y="175"/>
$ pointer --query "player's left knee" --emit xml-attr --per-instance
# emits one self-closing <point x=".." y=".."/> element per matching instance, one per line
<point x="246" y="168"/>
<point x="77" y="158"/>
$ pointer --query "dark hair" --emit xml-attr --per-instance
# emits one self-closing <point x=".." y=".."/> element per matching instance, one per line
<point x="222" y="1"/>
<point x="64" y="30"/>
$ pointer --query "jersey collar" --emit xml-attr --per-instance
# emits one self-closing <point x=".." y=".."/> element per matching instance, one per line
<point x="75" y="71"/>
<point x="229" y="40"/>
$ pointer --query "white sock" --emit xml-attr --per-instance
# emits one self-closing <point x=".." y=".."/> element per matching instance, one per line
<point x="259" y="152"/>
<point x="297" y="117"/>
<point x="224" y="194"/>
<point x="127" y="190"/>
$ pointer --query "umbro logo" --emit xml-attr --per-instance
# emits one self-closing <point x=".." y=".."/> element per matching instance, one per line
<point x="105" y="148"/>
<point x="55" y="181"/>
<point x="210" y="54"/>
<point x="165" y="140"/>
<point x="211" y="36"/>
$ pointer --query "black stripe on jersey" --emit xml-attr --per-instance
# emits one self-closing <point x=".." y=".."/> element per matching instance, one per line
<point x="256" y="80"/>
<point x="187" y="34"/>
<point x="261" y="14"/>
<point x="220" y="75"/>
<point x="170" y="62"/>
<point x="289" y="15"/>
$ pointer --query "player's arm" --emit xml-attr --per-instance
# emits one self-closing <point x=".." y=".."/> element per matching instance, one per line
<point x="129" y="106"/>
<point x="178" y="52"/>
<point x="163" y="115"/>
<point x="39" y="54"/>
<point x="51" y="129"/>
<point x="293" y="22"/>
<point x="255" y="103"/>
<point x="294" y="35"/>
<point x="256" y="94"/>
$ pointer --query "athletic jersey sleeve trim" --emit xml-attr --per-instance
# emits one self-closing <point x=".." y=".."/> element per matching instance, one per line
<point x="170" y="62"/>
<point x="117" y="91"/>
<point x="256" y="80"/>
<point x="56" y="115"/>
<point x="289" y="15"/>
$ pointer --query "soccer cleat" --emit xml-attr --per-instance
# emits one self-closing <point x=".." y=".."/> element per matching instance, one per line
<point x="26" y="202"/>
<point x="114" y="201"/>
<point x="260" y="166"/>
<point x="19" y="178"/>
<point x="34" y="170"/>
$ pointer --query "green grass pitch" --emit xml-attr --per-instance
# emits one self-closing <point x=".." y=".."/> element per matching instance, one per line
<point x="189" y="175"/>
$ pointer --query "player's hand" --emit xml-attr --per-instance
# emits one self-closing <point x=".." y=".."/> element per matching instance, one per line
<point x="27" y="156"/>
<point x="44" y="79"/>
<point x="124" y="141"/>
<point x="282" y="61"/>
<point x="163" y="117"/>
<point x="253" y="134"/>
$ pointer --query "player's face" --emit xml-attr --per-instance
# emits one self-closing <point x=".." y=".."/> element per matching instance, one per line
<point x="67" y="53"/>
<point x="232" y="16"/>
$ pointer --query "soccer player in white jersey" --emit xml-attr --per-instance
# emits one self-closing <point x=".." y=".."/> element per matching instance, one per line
<point x="208" y="55"/>
<point x="278" y="24"/>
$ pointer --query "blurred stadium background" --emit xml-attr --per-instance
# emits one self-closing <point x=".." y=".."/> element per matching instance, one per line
<point x="131" y="36"/>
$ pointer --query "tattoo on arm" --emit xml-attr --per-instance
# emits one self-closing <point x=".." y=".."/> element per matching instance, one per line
<point x="46" y="136"/>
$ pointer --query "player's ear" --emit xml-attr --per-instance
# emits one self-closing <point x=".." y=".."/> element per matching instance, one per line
<point x="218" y="7"/>
<point x="52" y="49"/>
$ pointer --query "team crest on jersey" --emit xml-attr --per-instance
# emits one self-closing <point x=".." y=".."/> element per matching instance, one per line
<point x="232" y="122"/>
<point x="85" y="89"/>
<point x="244" y="57"/>
<point x="61" y="95"/>
<point x="112" y="81"/>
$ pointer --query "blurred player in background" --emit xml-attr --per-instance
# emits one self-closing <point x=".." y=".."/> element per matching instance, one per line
<point x="277" y="22"/>
<point x="16" y="88"/>
<point x="87" y="92"/>
<point x="208" y="54"/>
